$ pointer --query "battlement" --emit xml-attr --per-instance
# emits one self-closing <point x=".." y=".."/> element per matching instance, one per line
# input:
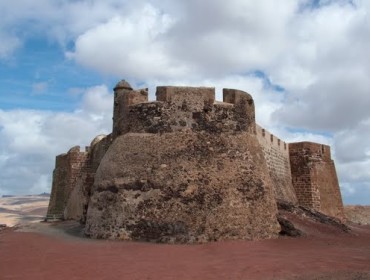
<point x="180" y="108"/>
<point x="271" y="139"/>
<point x="276" y="154"/>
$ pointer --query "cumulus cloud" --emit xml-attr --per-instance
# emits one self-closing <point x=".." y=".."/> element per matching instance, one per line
<point x="335" y="86"/>
<point x="303" y="61"/>
<point x="31" y="139"/>
<point x="129" y="46"/>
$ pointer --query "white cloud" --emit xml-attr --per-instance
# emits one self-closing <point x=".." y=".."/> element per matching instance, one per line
<point x="315" y="51"/>
<point x="8" y="44"/>
<point x="31" y="139"/>
<point x="129" y="46"/>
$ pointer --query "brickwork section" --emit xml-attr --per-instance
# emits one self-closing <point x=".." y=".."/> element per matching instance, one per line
<point x="276" y="154"/>
<point x="68" y="168"/>
<point x="78" y="199"/>
<point x="314" y="178"/>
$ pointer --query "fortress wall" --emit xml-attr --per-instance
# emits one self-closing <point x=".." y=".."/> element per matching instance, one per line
<point x="276" y="153"/>
<point x="190" y="108"/>
<point x="186" y="98"/>
<point x="307" y="193"/>
<point x="78" y="199"/>
<point x="183" y="187"/>
<point x="315" y="179"/>
<point x="244" y="106"/>
<point x="184" y="168"/>
<point x="98" y="148"/>
<point x="68" y="169"/>
<point x="324" y="176"/>
<point x="123" y="99"/>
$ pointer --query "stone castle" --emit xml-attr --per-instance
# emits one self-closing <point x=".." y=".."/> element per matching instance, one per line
<point x="187" y="168"/>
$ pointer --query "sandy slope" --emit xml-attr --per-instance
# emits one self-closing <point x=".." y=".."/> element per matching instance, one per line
<point x="22" y="209"/>
<point x="358" y="214"/>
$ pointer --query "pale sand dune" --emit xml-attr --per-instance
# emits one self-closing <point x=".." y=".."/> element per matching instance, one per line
<point x="19" y="210"/>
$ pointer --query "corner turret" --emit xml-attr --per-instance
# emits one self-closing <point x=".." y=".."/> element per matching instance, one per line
<point x="124" y="96"/>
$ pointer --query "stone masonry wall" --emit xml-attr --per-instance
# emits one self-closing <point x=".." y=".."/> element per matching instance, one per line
<point x="276" y="153"/>
<point x="77" y="204"/>
<point x="68" y="168"/>
<point x="184" y="169"/>
<point x="315" y="179"/>
<point x="125" y="96"/>
<point x="181" y="108"/>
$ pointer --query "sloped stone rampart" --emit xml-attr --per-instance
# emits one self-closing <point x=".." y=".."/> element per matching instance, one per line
<point x="182" y="187"/>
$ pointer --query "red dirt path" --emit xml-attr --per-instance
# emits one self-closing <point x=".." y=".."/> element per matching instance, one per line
<point x="25" y="255"/>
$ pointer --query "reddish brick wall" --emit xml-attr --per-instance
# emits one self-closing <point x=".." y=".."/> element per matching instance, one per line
<point x="315" y="179"/>
<point x="276" y="154"/>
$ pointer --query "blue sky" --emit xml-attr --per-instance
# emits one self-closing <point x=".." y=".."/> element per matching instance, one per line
<point x="38" y="76"/>
<point x="303" y="61"/>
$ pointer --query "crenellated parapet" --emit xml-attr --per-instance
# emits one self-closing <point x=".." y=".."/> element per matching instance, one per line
<point x="276" y="153"/>
<point x="183" y="108"/>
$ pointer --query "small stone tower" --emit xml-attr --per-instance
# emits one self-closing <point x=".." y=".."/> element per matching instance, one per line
<point x="124" y="96"/>
<point x="315" y="179"/>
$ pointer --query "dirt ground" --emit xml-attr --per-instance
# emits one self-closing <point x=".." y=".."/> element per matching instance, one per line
<point x="58" y="251"/>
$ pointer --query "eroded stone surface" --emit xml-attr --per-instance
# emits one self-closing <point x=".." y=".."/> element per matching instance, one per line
<point x="182" y="187"/>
